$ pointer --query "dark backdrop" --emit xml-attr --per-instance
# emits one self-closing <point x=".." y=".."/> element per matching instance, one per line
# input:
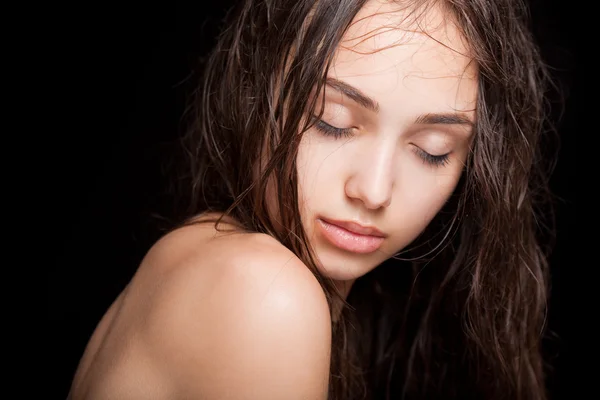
<point x="124" y="71"/>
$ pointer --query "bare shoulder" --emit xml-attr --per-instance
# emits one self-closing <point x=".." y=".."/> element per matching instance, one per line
<point x="234" y="316"/>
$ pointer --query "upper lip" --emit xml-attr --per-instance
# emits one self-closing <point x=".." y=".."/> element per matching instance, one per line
<point x="356" y="227"/>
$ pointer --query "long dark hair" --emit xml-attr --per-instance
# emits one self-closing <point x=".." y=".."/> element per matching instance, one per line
<point x="466" y="317"/>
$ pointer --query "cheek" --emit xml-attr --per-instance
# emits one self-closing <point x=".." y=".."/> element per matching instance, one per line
<point x="316" y="173"/>
<point x="306" y="177"/>
<point x="428" y="200"/>
<point x="419" y="199"/>
<point x="433" y="189"/>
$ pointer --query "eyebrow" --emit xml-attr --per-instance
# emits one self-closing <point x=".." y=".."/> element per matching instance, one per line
<point x="425" y="119"/>
<point x="354" y="94"/>
<point x="444" y="119"/>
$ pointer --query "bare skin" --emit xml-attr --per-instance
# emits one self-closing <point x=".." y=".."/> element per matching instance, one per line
<point x="212" y="316"/>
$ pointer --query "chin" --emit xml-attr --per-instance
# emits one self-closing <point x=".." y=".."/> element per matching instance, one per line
<point x="345" y="267"/>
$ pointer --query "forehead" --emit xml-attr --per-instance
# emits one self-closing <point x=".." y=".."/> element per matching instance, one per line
<point x="414" y="58"/>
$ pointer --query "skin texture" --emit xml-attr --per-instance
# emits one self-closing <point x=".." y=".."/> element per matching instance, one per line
<point x="376" y="176"/>
<point x="199" y="320"/>
<point x="258" y="326"/>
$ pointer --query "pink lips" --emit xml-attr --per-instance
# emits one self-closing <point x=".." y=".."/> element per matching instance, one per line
<point x="351" y="236"/>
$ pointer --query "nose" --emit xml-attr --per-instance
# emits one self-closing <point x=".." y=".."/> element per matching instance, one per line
<point x="372" y="180"/>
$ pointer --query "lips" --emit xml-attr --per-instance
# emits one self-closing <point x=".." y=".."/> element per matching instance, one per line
<point x="350" y="236"/>
<point x="356" y="228"/>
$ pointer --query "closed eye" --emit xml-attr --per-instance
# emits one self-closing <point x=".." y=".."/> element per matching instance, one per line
<point x="335" y="132"/>
<point x="434" y="160"/>
<point x="330" y="130"/>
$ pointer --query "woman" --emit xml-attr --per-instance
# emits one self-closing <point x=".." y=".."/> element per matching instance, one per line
<point x="365" y="210"/>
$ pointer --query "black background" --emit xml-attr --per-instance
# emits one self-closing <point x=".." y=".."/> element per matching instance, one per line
<point x="124" y="72"/>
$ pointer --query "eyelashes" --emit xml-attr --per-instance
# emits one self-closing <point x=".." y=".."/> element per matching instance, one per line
<point x="430" y="159"/>
<point x="329" y="130"/>
<point x="337" y="133"/>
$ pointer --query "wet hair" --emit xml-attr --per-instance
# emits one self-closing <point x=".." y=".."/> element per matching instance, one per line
<point x="463" y="317"/>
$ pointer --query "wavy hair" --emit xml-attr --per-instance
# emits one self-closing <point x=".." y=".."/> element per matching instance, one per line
<point x="466" y="317"/>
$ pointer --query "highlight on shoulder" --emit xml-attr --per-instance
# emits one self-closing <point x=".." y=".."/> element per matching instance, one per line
<point x="221" y="316"/>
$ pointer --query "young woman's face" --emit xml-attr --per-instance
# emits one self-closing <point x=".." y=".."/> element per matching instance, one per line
<point x="393" y="140"/>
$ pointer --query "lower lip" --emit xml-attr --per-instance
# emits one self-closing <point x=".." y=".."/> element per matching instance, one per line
<point x="350" y="241"/>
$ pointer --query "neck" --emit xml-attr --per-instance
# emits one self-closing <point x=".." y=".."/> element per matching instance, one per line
<point x="343" y="288"/>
